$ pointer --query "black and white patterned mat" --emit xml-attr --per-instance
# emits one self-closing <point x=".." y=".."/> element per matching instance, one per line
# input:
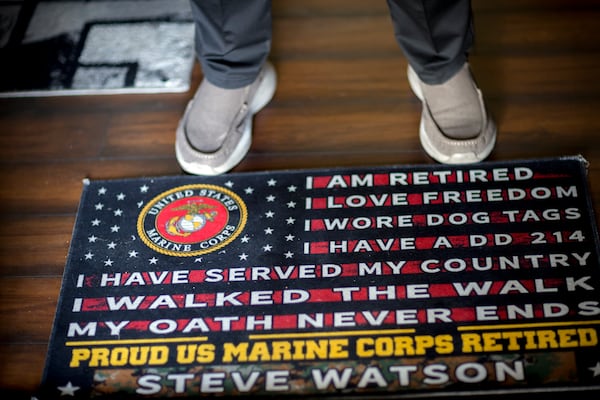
<point x="95" y="46"/>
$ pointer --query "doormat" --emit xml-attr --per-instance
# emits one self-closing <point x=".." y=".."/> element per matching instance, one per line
<point x="51" y="48"/>
<point x="403" y="280"/>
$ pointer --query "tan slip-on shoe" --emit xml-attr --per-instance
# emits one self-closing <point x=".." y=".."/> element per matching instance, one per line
<point x="454" y="148"/>
<point x="219" y="135"/>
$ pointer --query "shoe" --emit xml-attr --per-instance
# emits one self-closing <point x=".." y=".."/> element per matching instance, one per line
<point x="457" y="138"/>
<point x="215" y="132"/>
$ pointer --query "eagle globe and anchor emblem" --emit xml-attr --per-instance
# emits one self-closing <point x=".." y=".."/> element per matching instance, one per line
<point x="198" y="215"/>
<point x="192" y="220"/>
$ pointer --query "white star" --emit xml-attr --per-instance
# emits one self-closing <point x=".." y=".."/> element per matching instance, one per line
<point x="595" y="369"/>
<point x="229" y="184"/>
<point x="102" y="191"/>
<point x="290" y="221"/>
<point x="99" y="206"/>
<point x="270" y="198"/>
<point x="140" y="204"/>
<point x="292" y="188"/>
<point x="108" y="263"/>
<point x="245" y="239"/>
<point x="290" y="238"/>
<point x="92" y="239"/>
<point x="115" y="228"/>
<point x="96" y="222"/>
<point x="268" y="231"/>
<point x="267" y="248"/>
<point x="112" y="245"/>
<point x="118" y="212"/>
<point x="243" y="257"/>
<point x="121" y="196"/>
<point x="133" y="253"/>
<point x="144" y="189"/>
<point x="153" y="261"/>
<point x="249" y="190"/>
<point x="89" y="255"/>
<point x="198" y="260"/>
<point x="291" y="204"/>
<point x="271" y="182"/>
<point x="269" y="214"/>
<point x="289" y="254"/>
<point x="68" y="389"/>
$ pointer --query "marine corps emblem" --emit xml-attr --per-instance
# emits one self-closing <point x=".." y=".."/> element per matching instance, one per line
<point x="192" y="220"/>
<point x="198" y="214"/>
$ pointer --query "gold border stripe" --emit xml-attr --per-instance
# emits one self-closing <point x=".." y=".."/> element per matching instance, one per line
<point x="135" y="341"/>
<point x="533" y="325"/>
<point x="328" y="334"/>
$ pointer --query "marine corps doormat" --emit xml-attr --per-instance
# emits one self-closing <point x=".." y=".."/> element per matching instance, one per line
<point x="404" y="281"/>
<point x="75" y="47"/>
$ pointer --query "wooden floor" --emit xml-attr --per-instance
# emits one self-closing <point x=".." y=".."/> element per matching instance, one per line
<point x="342" y="100"/>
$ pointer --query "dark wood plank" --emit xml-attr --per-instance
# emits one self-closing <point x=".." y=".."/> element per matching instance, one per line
<point x="27" y="306"/>
<point x="21" y="367"/>
<point x="325" y="94"/>
<point x="38" y="251"/>
<point x="55" y="187"/>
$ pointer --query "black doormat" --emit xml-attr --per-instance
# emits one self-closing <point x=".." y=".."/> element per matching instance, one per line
<point x="406" y="280"/>
<point x="53" y="48"/>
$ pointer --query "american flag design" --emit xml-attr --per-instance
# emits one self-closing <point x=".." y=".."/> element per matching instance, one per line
<point x="404" y="279"/>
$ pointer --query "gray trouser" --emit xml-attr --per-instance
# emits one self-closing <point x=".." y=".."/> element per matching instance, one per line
<point x="233" y="37"/>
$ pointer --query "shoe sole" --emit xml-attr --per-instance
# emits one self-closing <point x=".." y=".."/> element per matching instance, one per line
<point x="430" y="149"/>
<point x="264" y="94"/>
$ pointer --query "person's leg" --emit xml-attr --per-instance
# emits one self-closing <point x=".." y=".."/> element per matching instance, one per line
<point x="435" y="36"/>
<point x="233" y="39"/>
